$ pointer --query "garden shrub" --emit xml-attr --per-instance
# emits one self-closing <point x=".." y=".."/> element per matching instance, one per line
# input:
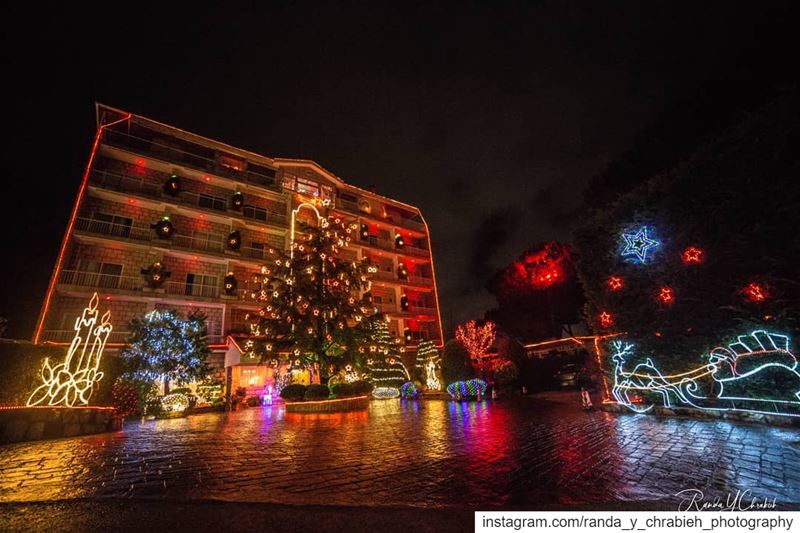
<point x="342" y="390"/>
<point x="361" y="387"/>
<point x="293" y="392"/>
<point x="317" y="392"/>
<point x="253" y="401"/>
<point x="456" y="364"/>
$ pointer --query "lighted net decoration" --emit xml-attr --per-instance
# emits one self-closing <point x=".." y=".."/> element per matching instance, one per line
<point x="385" y="393"/>
<point x="73" y="381"/>
<point x="175" y="403"/>
<point x="408" y="390"/>
<point x="125" y="398"/>
<point x="467" y="389"/>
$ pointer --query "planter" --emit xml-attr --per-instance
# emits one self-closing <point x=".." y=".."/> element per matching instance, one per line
<point x="337" y="405"/>
<point x="19" y="424"/>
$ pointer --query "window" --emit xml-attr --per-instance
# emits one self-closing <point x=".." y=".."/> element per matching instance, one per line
<point x="99" y="274"/>
<point x="233" y="163"/>
<point x="289" y="182"/>
<point x="112" y="224"/>
<point x="201" y="285"/>
<point x="257" y="250"/>
<point x="211" y="202"/>
<point x="251" y="211"/>
<point x="307" y="187"/>
<point x="327" y="192"/>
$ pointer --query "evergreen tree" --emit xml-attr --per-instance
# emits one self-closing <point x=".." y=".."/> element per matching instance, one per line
<point x="163" y="345"/>
<point x="383" y="359"/>
<point x="456" y="363"/>
<point x="312" y="303"/>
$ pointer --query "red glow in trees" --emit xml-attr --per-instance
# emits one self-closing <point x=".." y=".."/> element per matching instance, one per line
<point x="476" y="339"/>
<point x="539" y="269"/>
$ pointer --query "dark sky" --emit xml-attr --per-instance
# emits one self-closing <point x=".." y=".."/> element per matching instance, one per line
<point x="491" y="119"/>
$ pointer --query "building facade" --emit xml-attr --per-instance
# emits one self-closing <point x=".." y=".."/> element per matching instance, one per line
<point x="167" y="219"/>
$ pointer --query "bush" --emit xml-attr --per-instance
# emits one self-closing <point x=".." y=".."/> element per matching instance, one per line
<point x="253" y="401"/>
<point x="293" y="393"/>
<point x="317" y="392"/>
<point x="342" y="390"/>
<point x="455" y="363"/>
<point x="361" y="387"/>
<point x="505" y="372"/>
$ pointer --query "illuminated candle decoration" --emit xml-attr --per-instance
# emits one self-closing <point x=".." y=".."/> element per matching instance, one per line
<point x="666" y="295"/>
<point x="756" y="292"/>
<point x="719" y="385"/>
<point x="638" y="245"/>
<point x="692" y="254"/>
<point x="72" y="382"/>
<point x="606" y="319"/>
<point x="615" y="283"/>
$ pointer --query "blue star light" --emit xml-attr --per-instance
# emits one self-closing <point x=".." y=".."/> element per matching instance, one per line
<point x="638" y="244"/>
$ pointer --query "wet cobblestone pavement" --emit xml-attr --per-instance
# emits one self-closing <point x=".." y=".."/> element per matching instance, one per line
<point x="428" y="453"/>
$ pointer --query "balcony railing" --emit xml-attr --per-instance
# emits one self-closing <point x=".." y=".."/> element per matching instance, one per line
<point x="173" y="155"/>
<point x="419" y="280"/>
<point x="413" y="250"/>
<point x="420" y="310"/>
<point x="353" y="207"/>
<point x="387" y="307"/>
<point x="150" y="188"/>
<point x="135" y="232"/>
<point x="205" y="242"/>
<point x="191" y="289"/>
<point x="100" y="281"/>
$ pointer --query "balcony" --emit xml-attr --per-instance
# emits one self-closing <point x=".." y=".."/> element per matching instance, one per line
<point x="136" y="232"/>
<point x="353" y="207"/>
<point x="170" y="154"/>
<point x="386" y="307"/>
<point x="97" y="280"/>
<point x="420" y="310"/>
<point x="151" y="189"/>
<point x="179" y="288"/>
<point x="420" y="280"/>
<point x="204" y="242"/>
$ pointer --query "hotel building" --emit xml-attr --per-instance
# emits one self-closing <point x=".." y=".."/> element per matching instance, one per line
<point x="167" y="219"/>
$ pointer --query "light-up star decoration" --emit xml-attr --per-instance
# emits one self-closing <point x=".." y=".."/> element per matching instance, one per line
<point x="72" y="382"/>
<point x="637" y="245"/>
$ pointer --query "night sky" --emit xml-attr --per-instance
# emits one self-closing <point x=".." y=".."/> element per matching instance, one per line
<point x="492" y="120"/>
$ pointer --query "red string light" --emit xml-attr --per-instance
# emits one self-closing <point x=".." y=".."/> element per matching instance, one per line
<point x="606" y="319"/>
<point x="615" y="283"/>
<point x="476" y="339"/>
<point x="756" y="292"/>
<point x="666" y="295"/>
<point x="692" y="254"/>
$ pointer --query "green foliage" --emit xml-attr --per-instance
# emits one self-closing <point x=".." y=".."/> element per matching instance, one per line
<point x="735" y="199"/>
<point x="317" y="392"/>
<point x="253" y="401"/>
<point x="456" y="364"/>
<point x="165" y="345"/>
<point x="505" y="372"/>
<point x="294" y="392"/>
<point x="361" y="387"/>
<point x="312" y="305"/>
<point x="342" y="390"/>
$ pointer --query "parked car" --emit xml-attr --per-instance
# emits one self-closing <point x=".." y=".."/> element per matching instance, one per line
<point x="567" y="375"/>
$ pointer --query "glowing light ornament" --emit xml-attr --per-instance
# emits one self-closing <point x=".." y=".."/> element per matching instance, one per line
<point x="606" y="319"/>
<point x="73" y="381"/>
<point x="637" y="245"/>
<point x="721" y="384"/>
<point x="431" y="381"/>
<point x="615" y="283"/>
<point x="175" y="403"/>
<point x="666" y="295"/>
<point x="756" y="292"/>
<point x="692" y="254"/>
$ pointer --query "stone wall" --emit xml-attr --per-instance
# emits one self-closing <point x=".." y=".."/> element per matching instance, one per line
<point x="38" y="423"/>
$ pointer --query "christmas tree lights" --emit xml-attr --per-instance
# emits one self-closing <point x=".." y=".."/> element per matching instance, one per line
<point x="615" y="283"/>
<point x="476" y="339"/>
<point x="692" y="254"/>
<point x="756" y="292"/>
<point x="73" y="381"/>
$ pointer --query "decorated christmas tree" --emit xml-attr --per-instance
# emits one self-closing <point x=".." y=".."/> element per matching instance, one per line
<point x="312" y="303"/>
<point x="383" y="361"/>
